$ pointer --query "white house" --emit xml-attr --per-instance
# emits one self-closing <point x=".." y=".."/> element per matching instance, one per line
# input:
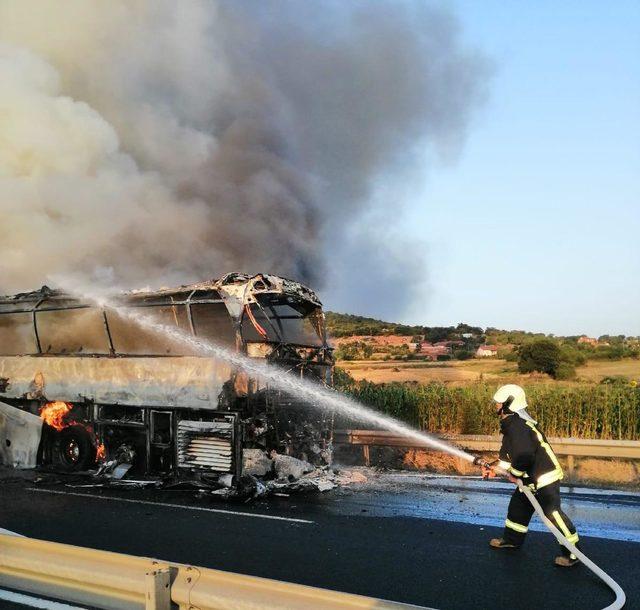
<point x="485" y="351"/>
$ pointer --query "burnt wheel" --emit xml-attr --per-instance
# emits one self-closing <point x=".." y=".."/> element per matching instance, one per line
<point x="75" y="449"/>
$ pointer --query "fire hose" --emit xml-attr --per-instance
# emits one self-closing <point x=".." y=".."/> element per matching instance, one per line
<point x="621" y="598"/>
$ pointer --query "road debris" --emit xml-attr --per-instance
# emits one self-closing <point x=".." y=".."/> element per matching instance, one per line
<point x="256" y="462"/>
<point x="290" y="468"/>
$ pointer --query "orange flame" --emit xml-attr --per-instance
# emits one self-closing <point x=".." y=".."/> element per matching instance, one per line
<point x="54" y="413"/>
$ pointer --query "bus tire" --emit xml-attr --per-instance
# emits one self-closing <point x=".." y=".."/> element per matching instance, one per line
<point x="75" y="449"/>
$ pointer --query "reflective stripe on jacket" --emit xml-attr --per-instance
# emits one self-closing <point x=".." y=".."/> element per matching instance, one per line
<point x="526" y="454"/>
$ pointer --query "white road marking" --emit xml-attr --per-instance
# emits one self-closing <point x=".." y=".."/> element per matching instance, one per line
<point x="182" y="506"/>
<point x="34" y="602"/>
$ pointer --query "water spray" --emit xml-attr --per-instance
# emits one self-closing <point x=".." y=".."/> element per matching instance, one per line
<point x="312" y="393"/>
<point x="319" y="396"/>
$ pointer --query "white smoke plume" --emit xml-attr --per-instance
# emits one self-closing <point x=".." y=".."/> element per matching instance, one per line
<point x="155" y="142"/>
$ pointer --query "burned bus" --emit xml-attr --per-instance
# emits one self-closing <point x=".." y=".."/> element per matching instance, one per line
<point x="83" y="385"/>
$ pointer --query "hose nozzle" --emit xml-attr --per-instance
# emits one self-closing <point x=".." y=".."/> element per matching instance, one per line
<point x="479" y="461"/>
<point x="488" y="471"/>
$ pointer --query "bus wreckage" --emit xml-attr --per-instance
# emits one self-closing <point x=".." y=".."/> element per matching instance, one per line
<point x="85" y="388"/>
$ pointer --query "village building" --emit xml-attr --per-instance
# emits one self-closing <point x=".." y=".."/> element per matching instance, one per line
<point x="432" y="351"/>
<point x="485" y="351"/>
<point x="587" y="340"/>
<point x="379" y="340"/>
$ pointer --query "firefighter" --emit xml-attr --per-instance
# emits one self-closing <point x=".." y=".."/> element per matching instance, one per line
<point x="526" y="455"/>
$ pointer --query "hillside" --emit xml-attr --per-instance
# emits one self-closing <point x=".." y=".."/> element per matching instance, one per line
<point x="390" y="340"/>
<point x="348" y="325"/>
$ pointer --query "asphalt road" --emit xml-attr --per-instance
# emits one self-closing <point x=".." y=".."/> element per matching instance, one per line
<point x="407" y="539"/>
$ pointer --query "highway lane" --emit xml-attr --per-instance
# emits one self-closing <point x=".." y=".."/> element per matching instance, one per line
<point x="406" y="541"/>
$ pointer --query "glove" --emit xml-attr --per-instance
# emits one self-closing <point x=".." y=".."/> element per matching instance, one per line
<point x="487" y="472"/>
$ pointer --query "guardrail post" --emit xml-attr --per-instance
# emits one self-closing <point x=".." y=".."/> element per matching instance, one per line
<point x="158" y="589"/>
<point x="365" y="455"/>
<point x="570" y="465"/>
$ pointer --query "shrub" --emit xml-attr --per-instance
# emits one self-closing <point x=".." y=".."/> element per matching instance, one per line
<point x="355" y="350"/>
<point x="565" y="371"/>
<point x="542" y="355"/>
<point x="572" y="355"/>
<point x="615" y="352"/>
<point x="342" y="379"/>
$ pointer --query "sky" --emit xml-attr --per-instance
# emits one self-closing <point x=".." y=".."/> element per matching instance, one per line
<point x="423" y="161"/>
<point x="535" y="225"/>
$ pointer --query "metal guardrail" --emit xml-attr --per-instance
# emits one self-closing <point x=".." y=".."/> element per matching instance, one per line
<point x="112" y="581"/>
<point x="571" y="447"/>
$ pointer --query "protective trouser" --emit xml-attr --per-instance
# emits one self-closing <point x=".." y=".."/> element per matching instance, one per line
<point x="521" y="510"/>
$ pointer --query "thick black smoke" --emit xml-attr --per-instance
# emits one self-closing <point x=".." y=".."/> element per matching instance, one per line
<point x="160" y="142"/>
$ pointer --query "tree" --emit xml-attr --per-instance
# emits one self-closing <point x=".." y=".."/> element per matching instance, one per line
<point x="433" y="334"/>
<point x="463" y="328"/>
<point x="541" y="355"/>
<point x="572" y="355"/>
<point x="354" y="350"/>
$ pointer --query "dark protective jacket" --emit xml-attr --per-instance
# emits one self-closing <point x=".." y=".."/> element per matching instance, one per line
<point x="526" y="454"/>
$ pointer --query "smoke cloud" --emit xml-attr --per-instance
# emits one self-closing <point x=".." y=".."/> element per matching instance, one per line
<point x="157" y="142"/>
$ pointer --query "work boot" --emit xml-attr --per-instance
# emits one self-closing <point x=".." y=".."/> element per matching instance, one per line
<point x="501" y="543"/>
<point x="564" y="561"/>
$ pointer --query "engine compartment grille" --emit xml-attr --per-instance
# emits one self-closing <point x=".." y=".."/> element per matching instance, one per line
<point x="206" y="445"/>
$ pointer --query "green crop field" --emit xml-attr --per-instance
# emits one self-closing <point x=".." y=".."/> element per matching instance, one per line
<point x="607" y="411"/>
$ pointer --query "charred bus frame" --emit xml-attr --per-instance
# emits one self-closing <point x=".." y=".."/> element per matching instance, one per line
<point x="147" y="400"/>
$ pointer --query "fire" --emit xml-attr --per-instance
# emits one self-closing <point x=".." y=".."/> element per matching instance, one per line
<point x="54" y="413"/>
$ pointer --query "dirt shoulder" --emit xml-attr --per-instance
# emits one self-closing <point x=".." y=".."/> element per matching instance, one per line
<point x="599" y="473"/>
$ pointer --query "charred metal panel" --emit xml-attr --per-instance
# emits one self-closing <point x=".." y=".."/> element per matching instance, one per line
<point x="207" y="445"/>
<point x="187" y="382"/>
<point x="302" y="432"/>
<point x="20" y="434"/>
